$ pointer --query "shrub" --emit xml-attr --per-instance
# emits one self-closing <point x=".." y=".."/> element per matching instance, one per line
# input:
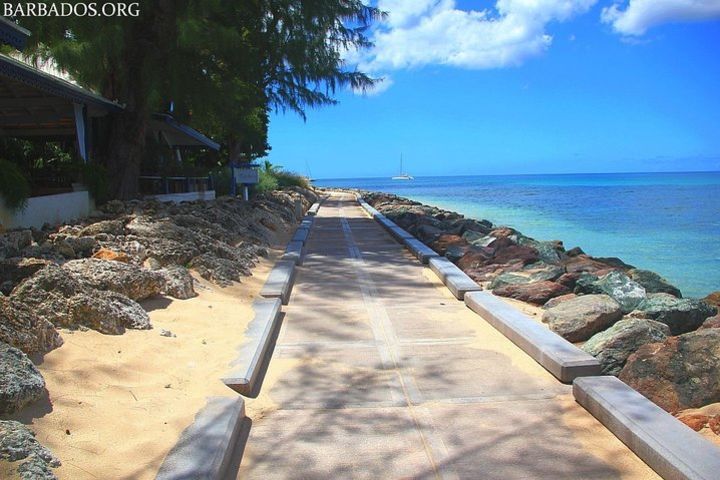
<point x="290" y="179"/>
<point x="268" y="181"/>
<point x="14" y="187"/>
<point x="95" y="177"/>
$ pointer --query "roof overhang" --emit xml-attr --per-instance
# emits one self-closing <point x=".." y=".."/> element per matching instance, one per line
<point x="180" y="135"/>
<point x="13" y="34"/>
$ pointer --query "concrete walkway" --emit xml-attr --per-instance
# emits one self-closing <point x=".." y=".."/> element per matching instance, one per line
<point x="380" y="373"/>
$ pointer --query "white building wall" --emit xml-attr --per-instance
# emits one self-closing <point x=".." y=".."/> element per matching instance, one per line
<point x="52" y="209"/>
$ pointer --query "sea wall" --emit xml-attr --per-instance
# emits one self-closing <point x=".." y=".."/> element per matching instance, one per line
<point x="634" y="321"/>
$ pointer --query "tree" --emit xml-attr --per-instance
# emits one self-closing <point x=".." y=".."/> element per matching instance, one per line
<point x="225" y="64"/>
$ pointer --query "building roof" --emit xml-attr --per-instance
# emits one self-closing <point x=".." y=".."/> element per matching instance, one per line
<point x="13" y="34"/>
<point x="180" y="135"/>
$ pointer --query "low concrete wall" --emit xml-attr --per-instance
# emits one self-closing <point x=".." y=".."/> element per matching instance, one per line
<point x="185" y="197"/>
<point x="52" y="209"/>
<point x="667" y="445"/>
<point x="559" y="357"/>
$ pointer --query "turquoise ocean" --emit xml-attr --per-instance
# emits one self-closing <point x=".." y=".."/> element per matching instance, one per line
<point x="665" y="222"/>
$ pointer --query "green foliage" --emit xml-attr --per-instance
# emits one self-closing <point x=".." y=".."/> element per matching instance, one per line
<point x="291" y="179"/>
<point x="95" y="177"/>
<point x="268" y="181"/>
<point x="14" y="187"/>
<point x="221" y="178"/>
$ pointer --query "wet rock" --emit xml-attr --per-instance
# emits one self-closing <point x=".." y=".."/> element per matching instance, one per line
<point x="20" y="381"/>
<point x="130" y="280"/>
<point x="536" y="293"/>
<point x="111" y="255"/>
<point x="680" y="314"/>
<point x="178" y="283"/>
<point x="613" y="346"/>
<point x="22" y="328"/>
<point x="58" y="297"/>
<point x="653" y="283"/>
<point x="558" y="300"/>
<point x="578" y="319"/>
<point x="679" y="373"/>
<point x="622" y="289"/>
<point x="30" y="460"/>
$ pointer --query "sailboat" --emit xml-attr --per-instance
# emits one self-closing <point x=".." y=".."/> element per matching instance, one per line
<point x="403" y="175"/>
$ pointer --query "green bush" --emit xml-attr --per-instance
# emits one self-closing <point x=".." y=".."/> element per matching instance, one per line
<point x="268" y="181"/>
<point x="290" y="179"/>
<point x="222" y="179"/>
<point x="14" y="187"/>
<point x="95" y="177"/>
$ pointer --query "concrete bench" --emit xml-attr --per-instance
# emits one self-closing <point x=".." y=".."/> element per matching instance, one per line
<point x="314" y="209"/>
<point x="280" y="281"/>
<point x="255" y="353"/>
<point x="454" y="279"/>
<point x="558" y="356"/>
<point x="294" y="252"/>
<point x="669" y="447"/>
<point x="400" y="233"/>
<point x="421" y="251"/>
<point x="306" y="222"/>
<point x="301" y="235"/>
<point x="211" y="447"/>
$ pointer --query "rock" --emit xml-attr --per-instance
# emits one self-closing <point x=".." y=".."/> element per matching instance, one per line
<point x="578" y="319"/>
<point x="109" y="312"/>
<point x="514" y="253"/>
<point x="508" y="278"/>
<point x="475" y="257"/>
<point x="536" y="293"/>
<point x="478" y="239"/>
<point x="110" y="227"/>
<point x="574" y="252"/>
<point x="62" y="300"/>
<point x="680" y="314"/>
<point x="152" y="263"/>
<point x="18" y="444"/>
<point x="583" y="264"/>
<point x="614" y="262"/>
<point x="82" y="246"/>
<point x="613" y="346"/>
<point x="622" y="289"/>
<point x="703" y="417"/>
<point x="456" y="252"/>
<point x="712" y="322"/>
<point x="22" y="328"/>
<point x="586" y="283"/>
<point x="12" y="243"/>
<point x="465" y="225"/>
<point x="178" y="283"/>
<point x="64" y="248"/>
<point x="428" y="233"/>
<point x="558" y="300"/>
<point x="167" y="333"/>
<point x="569" y="279"/>
<point x="547" y="251"/>
<point x="713" y="299"/>
<point x="653" y="283"/>
<point x="543" y="271"/>
<point x="679" y="373"/>
<point x="20" y="381"/>
<point x="14" y="270"/>
<point x="219" y="270"/>
<point x="111" y="255"/>
<point x="444" y="241"/>
<point x="130" y="280"/>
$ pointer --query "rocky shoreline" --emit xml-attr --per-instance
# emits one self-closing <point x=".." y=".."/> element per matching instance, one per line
<point x="92" y="274"/>
<point x="635" y="322"/>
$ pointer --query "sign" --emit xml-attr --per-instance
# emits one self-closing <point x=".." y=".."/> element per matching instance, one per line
<point x="246" y="176"/>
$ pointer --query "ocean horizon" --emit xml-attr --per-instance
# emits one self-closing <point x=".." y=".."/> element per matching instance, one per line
<point x="668" y="222"/>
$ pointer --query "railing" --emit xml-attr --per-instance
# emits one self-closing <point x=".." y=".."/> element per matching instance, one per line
<point x="160" y="185"/>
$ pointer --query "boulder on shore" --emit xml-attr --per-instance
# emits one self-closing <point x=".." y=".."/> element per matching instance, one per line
<point x="22" y="328"/>
<point x="679" y="373"/>
<point x="536" y="293"/>
<point x="18" y="444"/>
<point x="613" y="346"/>
<point x="178" y="283"/>
<point x="64" y="301"/>
<point x="130" y="280"/>
<point x="20" y="381"/>
<point x="653" y="283"/>
<point x="680" y="314"/>
<point x="580" y="318"/>
<point x="622" y="289"/>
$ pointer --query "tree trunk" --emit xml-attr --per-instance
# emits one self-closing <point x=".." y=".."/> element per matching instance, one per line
<point x="126" y="144"/>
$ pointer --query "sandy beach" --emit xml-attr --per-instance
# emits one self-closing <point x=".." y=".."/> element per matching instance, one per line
<point x="118" y="404"/>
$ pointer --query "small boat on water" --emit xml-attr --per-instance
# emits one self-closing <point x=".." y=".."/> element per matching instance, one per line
<point x="403" y="175"/>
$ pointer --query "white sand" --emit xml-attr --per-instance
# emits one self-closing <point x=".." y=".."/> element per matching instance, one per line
<point x="118" y="404"/>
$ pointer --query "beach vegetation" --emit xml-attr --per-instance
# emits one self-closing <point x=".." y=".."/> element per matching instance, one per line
<point x="14" y="187"/>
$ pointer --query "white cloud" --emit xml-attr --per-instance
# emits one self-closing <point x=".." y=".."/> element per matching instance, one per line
<point x="640" y="15"/>
<point x="435" y="32"/>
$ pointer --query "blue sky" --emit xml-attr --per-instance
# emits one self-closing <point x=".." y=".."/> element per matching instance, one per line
<point x="522" y="86"/>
